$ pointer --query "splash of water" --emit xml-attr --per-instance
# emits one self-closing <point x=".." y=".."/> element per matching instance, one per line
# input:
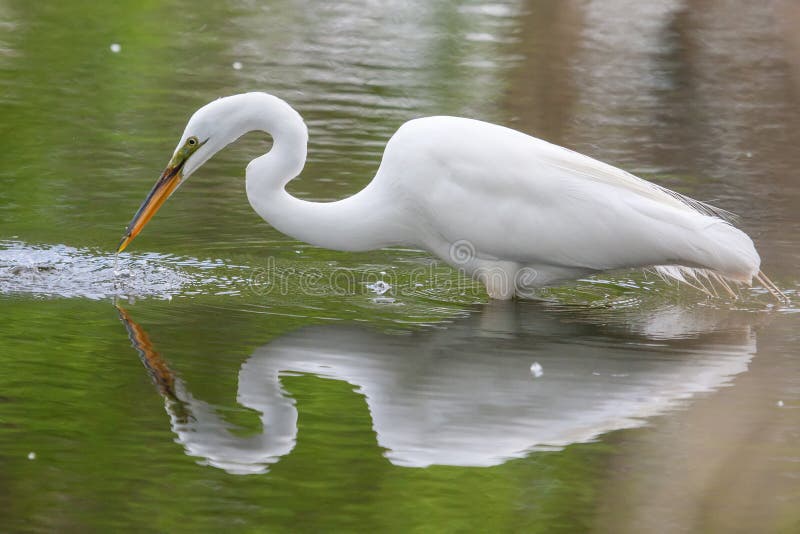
<point x="64" y="271"/>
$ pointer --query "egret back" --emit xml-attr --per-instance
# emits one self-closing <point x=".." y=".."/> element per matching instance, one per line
<point x="518" y="198"/>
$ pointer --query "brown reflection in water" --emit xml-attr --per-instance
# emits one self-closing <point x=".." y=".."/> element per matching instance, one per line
<point x="723" y="466"/>
<point x="702" y="96"/>
<point x="789" y="14"/>
<point x="699" y="95"/>
<point x="541" y="92"/>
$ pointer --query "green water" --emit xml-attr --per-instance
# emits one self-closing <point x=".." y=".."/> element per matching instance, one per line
<point x="249" y="382"/>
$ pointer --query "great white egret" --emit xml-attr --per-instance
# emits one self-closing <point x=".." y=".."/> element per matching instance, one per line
<point x="511" y="210"/>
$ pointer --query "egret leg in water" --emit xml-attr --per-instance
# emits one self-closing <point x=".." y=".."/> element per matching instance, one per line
<point x="511" y="210"/>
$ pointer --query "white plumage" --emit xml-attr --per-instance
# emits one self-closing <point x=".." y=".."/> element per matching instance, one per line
<point x="509" y="209"/>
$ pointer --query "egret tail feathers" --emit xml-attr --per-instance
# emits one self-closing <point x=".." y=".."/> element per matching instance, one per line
<point x="707" y="281"/>
<point x="772" y="288"/>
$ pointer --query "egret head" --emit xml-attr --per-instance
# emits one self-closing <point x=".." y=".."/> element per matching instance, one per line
<point x="209" y="130"/>
<point x="196" y="146"/>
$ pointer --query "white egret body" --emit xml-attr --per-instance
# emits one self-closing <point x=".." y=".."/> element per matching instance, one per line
<point x="511" y="210"/>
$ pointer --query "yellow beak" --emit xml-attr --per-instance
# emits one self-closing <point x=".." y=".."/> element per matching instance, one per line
<point x="161" y="191"/>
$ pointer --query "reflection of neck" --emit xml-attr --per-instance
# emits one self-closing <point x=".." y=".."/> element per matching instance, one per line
<point x="208" y="436"/>
<point x="363" y="221"/>
<point x="197" y="424"/>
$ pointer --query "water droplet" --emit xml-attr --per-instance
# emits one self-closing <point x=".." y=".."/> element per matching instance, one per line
<point x="536" y="369"/>
<point x="237" y="65"/>
<point x="380" y="287"/>
<point x="115" y="47"/>
<point x="31" y="455"/>
<point x="779" y="404"/>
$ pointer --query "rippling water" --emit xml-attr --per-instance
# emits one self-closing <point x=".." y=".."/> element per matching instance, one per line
<point x="219" y="375"/>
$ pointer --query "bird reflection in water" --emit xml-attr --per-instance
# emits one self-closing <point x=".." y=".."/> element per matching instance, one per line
<point x="464" y="394"/>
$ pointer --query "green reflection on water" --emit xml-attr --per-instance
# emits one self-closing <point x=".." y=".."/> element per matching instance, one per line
<point x="75" y="394"/>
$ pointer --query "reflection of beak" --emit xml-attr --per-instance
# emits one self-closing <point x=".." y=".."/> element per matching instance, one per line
<point x="156" y="367"/>
<point x="164" y="187"/>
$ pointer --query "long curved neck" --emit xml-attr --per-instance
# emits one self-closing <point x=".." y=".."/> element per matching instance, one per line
<point x="363" y="221"/>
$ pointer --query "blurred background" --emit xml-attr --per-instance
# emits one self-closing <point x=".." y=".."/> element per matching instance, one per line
<point x="702" y="96"/>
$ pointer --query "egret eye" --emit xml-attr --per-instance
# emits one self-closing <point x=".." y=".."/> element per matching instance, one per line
<point x="192" y="141"/>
